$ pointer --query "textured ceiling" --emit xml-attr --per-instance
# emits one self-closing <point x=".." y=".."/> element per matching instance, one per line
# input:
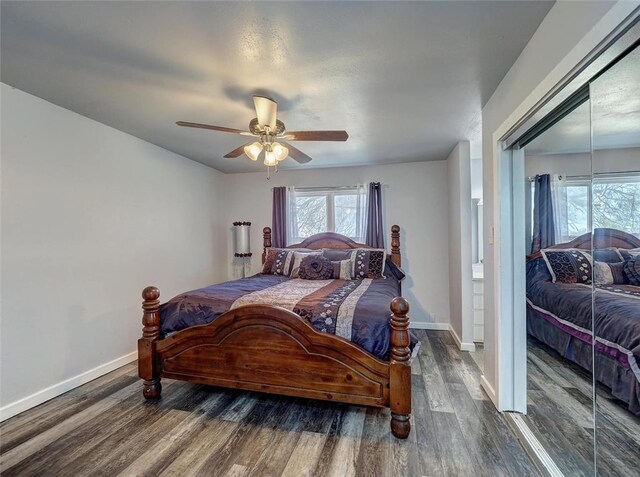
<point x="406" y="80"/>
<point x="612" y="114"/>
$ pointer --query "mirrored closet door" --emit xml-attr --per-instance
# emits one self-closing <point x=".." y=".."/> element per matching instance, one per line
<point x="582" y="167"/>
<point x="560" y="408"/>
<point x="615" y="221"/>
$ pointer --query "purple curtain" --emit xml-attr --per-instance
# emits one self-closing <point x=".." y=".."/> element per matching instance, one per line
<point x="375" y="231"/>
<point x="279" y="217"/>
<point x="544" y="234"/>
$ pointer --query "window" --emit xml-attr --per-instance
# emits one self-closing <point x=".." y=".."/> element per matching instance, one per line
<point x="614" y="200"/>
<point x="338" y="210"/>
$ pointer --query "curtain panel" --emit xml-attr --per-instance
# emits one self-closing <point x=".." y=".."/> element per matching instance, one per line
<point x="279" y="217"/>
<point x="544" y="234"/>
<point x="374" y="226"/>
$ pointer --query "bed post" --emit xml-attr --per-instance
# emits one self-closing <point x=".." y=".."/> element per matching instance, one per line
<point x="266" y="242"/>
<point x="400" y="369"/>
<point x="395" y="245"/>
<point x="147" y="362"/>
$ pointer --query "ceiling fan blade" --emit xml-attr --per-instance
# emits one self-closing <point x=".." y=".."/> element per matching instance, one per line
<point x="316" y="136"/>
<point x="213" y="128"/>
<point x="237" y="152"/>
<point x="296" y="154"/>
<point x="266" y="110"/>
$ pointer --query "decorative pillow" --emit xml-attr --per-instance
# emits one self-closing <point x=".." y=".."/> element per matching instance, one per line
<point x="607" y="255"/>
<point x="315" y="267"/>
<point x="342" y="270"/>
<point x="369" y="263"/>
<point x="568" y="265"/>
<point x="609" y="273"/>
<point x="341" y="255"/>
<point x="279" y="260"/>
<point x="632" y="270"/>
<point x="269" y="260"/>
<point x="297" y="260"/>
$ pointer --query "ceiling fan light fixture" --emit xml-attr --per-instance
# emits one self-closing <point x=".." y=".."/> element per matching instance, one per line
<point x="253" y="150"/>
<point x="280" y="151"/>
<point x="270" y="159"/>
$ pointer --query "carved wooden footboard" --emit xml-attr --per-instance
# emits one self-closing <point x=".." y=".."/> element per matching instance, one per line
<point x="270" y="349"/>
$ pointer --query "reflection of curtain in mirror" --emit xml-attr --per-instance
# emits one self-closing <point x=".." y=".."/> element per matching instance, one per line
<point x="543" y="223"/>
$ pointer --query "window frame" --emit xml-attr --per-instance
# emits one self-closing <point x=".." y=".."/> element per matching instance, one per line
<point x="329" y="194"/>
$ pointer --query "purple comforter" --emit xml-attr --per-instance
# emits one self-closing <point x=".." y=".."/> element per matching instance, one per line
<point x="357" y="310"/>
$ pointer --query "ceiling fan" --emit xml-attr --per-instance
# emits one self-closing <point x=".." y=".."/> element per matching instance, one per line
<point x="271" y="135"/>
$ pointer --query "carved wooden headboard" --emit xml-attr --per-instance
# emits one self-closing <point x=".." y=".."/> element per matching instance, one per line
<point x="602" y="238"/>
<point x="335" y="241"/>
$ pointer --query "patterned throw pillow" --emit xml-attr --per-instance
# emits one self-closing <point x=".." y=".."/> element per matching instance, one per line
<point x="297" y="260"/>
<point x="609" y="273"/>
<point x="341" y="255"/>
<point x="315" y="267"/>
<point x="280" y="260"/>
<point x="568" y="265"/>
<point x="632" y="270"/>
<point x="369" y="263"/>
<point x="342" y="270"/>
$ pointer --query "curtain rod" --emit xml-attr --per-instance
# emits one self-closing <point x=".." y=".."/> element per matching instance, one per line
<point x="595" y="174"/>
<point x="351" y="187"/>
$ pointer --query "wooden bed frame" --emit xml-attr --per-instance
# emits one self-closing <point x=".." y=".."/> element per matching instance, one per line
<point x="270" y="349"/>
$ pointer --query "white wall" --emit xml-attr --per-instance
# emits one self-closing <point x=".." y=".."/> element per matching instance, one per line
<point x="90" y="216"/>
<point x="460" y="272"/>
<point x="476" y="178"/>
<point x="609" y="160"/>
<point x="567" y="34"/>
<point x="415" y="198"/>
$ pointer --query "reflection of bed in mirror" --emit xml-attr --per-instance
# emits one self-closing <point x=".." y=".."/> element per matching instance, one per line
<point x="560" y="315"/>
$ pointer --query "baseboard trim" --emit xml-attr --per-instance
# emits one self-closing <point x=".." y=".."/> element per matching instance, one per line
<point x="46" y="394"/>
<point x="541" y="458"/>
<point x="489" y="390"/>
<point x="429" y="326"/>
<point x="462" y="346"/>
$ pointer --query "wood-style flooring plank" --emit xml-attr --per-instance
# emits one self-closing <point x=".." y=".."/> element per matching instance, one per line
<point x="436" y="393"/>
<point x="305" y="455"/>
<point x="373" y="458"/>
<point x="426" y="439"/>
<point x="454" y="455"/>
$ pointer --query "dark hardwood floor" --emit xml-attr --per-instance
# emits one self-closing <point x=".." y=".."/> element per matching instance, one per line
<point x="106" y="428"/>
<point x="560" y="414"/>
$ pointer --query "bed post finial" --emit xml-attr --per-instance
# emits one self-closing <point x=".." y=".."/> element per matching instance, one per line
<point x="147" y="363"/>
<point x="395" y="245"/>
<point x="400" y="373"/>
<point x="266" y="242"/>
